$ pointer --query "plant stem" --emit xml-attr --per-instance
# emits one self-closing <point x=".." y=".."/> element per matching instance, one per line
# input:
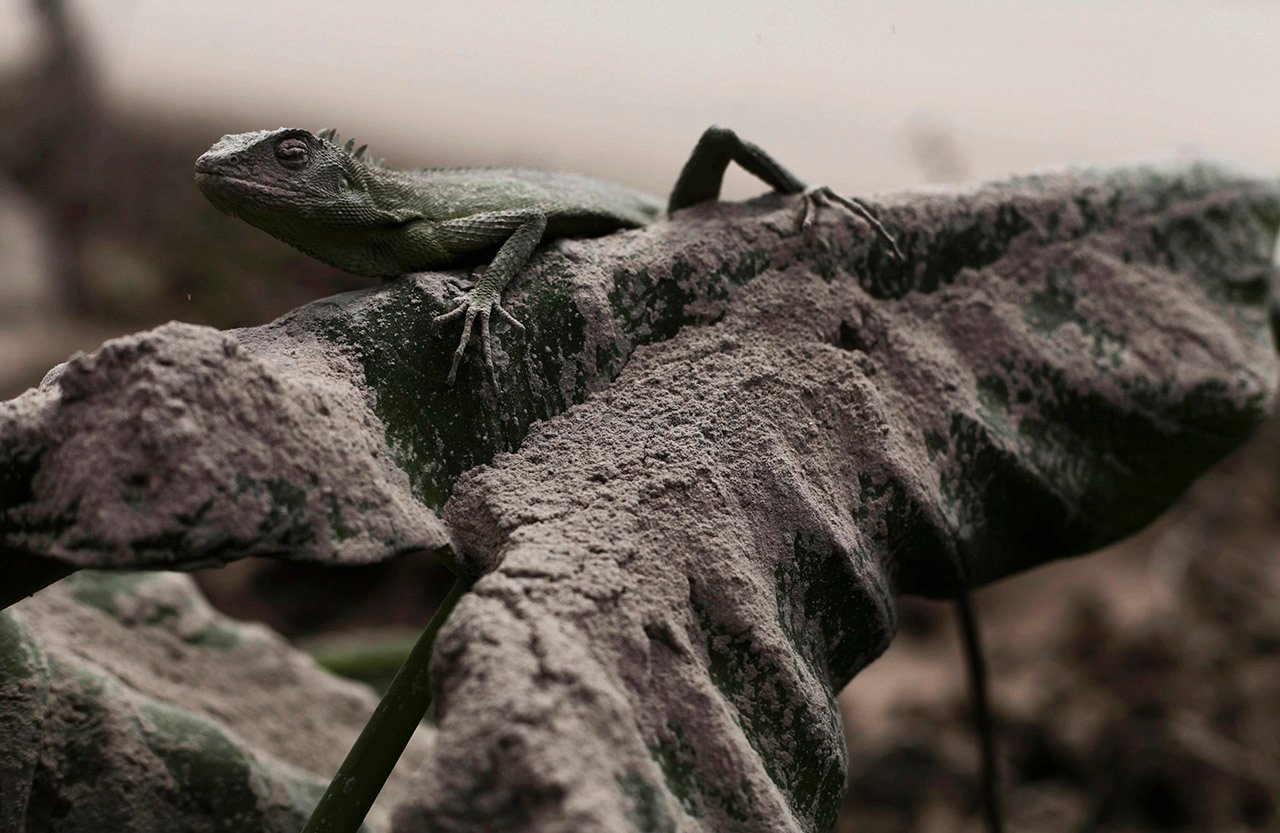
<point x="981" y="711"/>
<point x="360" y="778"/>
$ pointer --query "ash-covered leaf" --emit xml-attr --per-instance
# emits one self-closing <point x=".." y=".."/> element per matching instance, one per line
<point x="127" y="704"/>
<point x="774" y="440"/>
<point x="679" y="574"/>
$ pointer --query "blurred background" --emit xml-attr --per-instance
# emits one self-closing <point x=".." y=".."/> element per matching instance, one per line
<point x="1138" y="689"/>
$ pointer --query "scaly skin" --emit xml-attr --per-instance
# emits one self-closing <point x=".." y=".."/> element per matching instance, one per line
<point x="336" y="204"/>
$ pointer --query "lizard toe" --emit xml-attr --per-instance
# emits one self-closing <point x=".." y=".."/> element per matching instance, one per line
<point x="459" y="309"/>
<point x="471" y="309"/>
<point x="809" y="203"/>
<point x="462" y="342"/>
<point x="509" y="318"/>
<point x="817" y="195"/>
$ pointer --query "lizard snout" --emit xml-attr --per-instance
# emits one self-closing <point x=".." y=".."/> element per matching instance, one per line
<point x="215" y="163"/>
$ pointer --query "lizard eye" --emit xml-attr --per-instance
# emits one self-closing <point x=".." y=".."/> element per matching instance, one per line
<point x="292" y="153"/>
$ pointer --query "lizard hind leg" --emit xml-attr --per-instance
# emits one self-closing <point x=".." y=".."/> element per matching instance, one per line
<point x="703" y="174"/>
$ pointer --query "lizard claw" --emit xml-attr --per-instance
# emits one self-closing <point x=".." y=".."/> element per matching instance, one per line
<point x="471" y="306"/>
<point x="816" y="195"/>
<point x="808" y="214"/>
<point x="509" y="318"/>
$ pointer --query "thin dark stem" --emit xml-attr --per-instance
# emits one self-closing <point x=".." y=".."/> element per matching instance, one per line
<point x="360" y="778"/>
<point x="981" y="711"/>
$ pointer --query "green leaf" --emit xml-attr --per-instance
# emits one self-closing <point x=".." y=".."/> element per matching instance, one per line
<point x="129" y="705"/>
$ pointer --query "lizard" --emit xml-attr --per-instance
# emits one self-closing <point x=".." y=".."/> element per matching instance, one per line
<point x="334" y="202"/>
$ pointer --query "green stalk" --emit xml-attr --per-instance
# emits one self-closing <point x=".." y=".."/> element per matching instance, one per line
<point x="360" y="778"/>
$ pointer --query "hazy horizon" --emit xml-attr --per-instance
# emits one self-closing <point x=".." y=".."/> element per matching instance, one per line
<point x="851" y="96"/>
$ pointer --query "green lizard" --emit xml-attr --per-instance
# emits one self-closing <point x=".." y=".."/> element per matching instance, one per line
<point x="335" y="203"/>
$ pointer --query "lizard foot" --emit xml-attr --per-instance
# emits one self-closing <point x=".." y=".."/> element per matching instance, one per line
<point x="476" y="304"/>
<point x="816" y="195"/>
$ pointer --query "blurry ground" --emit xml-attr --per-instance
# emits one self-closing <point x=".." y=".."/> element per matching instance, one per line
<point x="1136" y="690"/>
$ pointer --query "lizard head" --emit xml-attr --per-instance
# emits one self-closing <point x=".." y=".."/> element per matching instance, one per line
<point x="291" y="181"/>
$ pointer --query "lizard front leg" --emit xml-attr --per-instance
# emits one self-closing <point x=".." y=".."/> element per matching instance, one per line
<point x="519" y="232"/>
<point x="702" y="175"/>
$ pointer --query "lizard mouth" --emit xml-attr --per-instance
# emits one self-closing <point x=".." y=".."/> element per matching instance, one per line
<point x="216" y="184"/>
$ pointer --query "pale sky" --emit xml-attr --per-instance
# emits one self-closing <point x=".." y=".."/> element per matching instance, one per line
<point x="837" y="90"/>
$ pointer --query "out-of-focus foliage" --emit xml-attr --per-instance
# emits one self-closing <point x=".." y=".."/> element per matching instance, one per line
<point x="127" y="704"/>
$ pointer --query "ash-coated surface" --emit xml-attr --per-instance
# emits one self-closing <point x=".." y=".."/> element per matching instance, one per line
<point x="772" y="439"/>
<point x="680" y="573"/>
<point x="128" y="705"/>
